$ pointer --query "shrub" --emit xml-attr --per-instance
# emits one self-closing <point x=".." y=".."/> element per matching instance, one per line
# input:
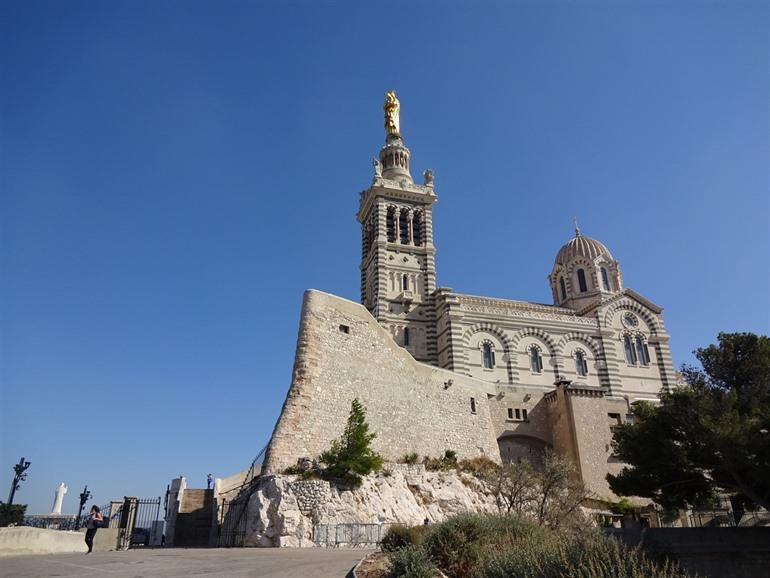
<point x="411" y="562"/>
<point x="395" y="538"/>
<point x="410" y="459"/>
<point x="478" y="466"/>
<point x="351" y="456"/>
<point x="447" y="462"/>
<point x="622" y="506"/>
<point x="399" y="536"/>
<point x="432" y="464"/>
<point x="477" y="546"/>
<point x="597" y="557"/>
<point x="455" y="544"/>
<point x="450" y="458"/>
<point x="12" y="515"/>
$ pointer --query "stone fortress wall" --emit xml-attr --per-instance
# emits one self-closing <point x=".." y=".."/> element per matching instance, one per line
<point x="343" y="353"/>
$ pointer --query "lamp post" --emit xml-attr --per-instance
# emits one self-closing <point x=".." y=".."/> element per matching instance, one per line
<point x="20" y="475"/>
<point x="84" y="495"/>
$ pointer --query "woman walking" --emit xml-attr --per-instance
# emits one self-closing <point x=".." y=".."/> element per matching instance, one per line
<point x="93" y="523"/>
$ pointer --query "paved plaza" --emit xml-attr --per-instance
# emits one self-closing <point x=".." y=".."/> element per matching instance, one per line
<point x="178" y="562"/>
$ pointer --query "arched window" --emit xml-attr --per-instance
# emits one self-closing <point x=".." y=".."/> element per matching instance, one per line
<point x="403" y="225"/>
<point x="406" y="336"/>
<point x="563" y="287"/>
<point x="582" y="280"/>
<point x="629" y="348"/>
<point x="605" y="279"/>
<point x="581" y="365"/>
<point x="535" y="360"/>
<point x="417" y="227"/>
<point x="390" y="224"/>
<point x="487" y="356"/>
<point x="642" y="353"/>
<point x="405" y="283"/>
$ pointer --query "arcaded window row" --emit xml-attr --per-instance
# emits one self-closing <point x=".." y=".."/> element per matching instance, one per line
<point x="405" y="226"/>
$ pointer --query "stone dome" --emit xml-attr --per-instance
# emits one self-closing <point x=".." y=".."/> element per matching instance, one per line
<point x="580" y="246"/>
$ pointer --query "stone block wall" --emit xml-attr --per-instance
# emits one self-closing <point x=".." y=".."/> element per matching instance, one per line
<point x="343" y="353"/>
<point x="582" y="431"/>
<point x="310" y="494"/>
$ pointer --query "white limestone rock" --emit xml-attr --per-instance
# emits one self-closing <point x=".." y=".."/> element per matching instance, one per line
<point x="399" y="494"/>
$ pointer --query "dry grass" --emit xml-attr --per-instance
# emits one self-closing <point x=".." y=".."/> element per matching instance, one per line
<point x="375" y="565"/>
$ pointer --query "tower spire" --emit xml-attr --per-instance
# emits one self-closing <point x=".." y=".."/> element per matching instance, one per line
<point x="394" y="156"/>
<point x="577" y="229"/>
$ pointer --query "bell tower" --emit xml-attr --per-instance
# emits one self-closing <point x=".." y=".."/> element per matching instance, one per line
<point x="398" y="269"/>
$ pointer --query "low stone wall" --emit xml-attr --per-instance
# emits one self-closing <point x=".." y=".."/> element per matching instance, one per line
<point x="27" y="540"/>
<point x="709" y="552"/>
<point x="106" y="539"/>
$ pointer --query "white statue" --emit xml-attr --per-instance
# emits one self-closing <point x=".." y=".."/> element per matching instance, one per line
<point x="428" y="176"/>
<point x="58" y="499"/>
<point x="377" y="167"/>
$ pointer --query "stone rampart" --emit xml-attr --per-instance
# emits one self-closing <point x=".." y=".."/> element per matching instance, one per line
<point x="343" y="353"/>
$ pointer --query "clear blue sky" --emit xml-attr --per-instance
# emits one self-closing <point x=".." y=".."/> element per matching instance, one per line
<point x="175" y="174"/>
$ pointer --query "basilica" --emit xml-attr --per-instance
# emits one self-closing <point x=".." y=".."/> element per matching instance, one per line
<point x="442" y="370"/>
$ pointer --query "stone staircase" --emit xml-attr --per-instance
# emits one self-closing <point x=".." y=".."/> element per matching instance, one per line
<point x="194" y="520"/>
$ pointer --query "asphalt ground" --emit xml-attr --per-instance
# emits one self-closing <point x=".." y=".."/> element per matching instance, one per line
<point x="184" y="562"/>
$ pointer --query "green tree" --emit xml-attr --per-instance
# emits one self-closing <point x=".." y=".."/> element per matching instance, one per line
<point x="351" y="456"/>
<point x="710" y="436"/>
<point x="12" y="515"/>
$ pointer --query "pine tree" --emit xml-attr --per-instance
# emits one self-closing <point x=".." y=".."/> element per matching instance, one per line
<point x="707" y="438"/>
<point x="351" y="456"/>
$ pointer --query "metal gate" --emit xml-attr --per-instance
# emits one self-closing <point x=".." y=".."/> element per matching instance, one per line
<point x="232" y="522"/>
<point x="139" y="523"/>
<point x="349" y="535"/>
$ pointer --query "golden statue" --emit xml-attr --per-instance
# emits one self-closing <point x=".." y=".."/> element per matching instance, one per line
<point x="391" y="108"/>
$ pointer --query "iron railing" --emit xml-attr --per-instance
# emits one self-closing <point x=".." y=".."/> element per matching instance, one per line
<point x="349" y="535"/>
<point x="232" y="521"/>
<point x="60" y="522"/>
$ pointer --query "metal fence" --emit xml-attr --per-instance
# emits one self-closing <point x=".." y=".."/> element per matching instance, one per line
<point x="137" y="519"/>
<point x="60" y="522"/>
<point x="349" y="535"/>
<point x="232" y="522"/>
